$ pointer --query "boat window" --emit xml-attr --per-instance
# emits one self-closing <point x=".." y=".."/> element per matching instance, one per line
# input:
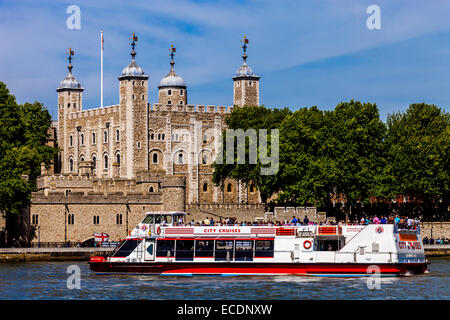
<point x="126" y="248"/>
<point x="148" y="219"/>
<point x="328" y="244"/>
<point x="224" y="249"/>
<point x="243" y="250"/>
<point x="204" y="248"/>
<point x="164" y="246"/>
<point x="168" y="218"/>
<point x="177" y="217"/>
<point x="185" y="250"/>
<point x="157" y="219"/>
<point x="263" y="248"/>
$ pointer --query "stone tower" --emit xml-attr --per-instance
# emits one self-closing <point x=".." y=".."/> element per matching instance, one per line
<point x="174" y="193"/>
<point x="172" y="89"/>
<point x="245" y="83"/>
<point x="133" y="116"/>
<point x="70" y="99"/>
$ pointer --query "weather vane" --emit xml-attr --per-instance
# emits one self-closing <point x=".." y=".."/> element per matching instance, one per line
<point x="135" y="39"/>
<point x="172" y="51"/>
<point x="245" y="41"/>
<point x="70" y="53"/>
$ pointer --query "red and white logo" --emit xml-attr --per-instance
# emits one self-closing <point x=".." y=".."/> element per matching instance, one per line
<point x="379" y="229"/>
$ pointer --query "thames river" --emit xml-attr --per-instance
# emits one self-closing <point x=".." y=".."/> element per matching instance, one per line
<point x="52" y="280"/>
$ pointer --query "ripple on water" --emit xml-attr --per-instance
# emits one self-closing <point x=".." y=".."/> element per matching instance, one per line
<point x="48" y="280"/>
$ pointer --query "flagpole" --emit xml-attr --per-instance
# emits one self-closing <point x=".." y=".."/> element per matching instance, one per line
<point x="101" y="70"/>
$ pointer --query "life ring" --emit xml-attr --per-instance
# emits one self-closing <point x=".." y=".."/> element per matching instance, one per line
<point x="307" y="244"/>
<point x="158" y="230"/>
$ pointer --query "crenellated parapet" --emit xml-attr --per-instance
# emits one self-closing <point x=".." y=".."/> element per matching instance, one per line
<point x="190" y="108"/>
<point x="89" y="113"/>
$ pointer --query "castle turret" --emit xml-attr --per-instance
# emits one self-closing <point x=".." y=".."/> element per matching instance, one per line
<point x="172" y="88"/>
<point x="245" y="83"/>
<point x="134" y="116"/>
<point x="70" y="99"/>
<point x="174" y="193"/>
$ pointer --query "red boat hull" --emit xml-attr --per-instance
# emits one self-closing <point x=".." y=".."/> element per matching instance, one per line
<point x="256" y="268"/>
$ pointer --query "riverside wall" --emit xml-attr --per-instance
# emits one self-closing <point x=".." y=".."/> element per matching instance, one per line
<point x="435" y="229"/>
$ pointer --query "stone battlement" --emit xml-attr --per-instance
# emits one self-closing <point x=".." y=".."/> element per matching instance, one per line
<point x="63" y="180"/>
<point x="95" y="198"/>
<point x="192" y="108"/>
<point x="93" y="112"/>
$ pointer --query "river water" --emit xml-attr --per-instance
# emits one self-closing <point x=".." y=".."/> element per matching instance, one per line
<point x="49" y="280"/>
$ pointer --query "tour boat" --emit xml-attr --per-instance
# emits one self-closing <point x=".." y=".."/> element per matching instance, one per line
<point x="160" y="245"/>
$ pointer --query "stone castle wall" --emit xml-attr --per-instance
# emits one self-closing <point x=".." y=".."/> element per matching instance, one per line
<point x="435" y="229"/>
<point x="117" y="213"/>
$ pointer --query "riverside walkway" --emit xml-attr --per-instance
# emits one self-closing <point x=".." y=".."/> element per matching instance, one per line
<point x="51" y="254"/>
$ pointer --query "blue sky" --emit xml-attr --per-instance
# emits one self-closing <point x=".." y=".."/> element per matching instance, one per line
<point x="315" y="52"/>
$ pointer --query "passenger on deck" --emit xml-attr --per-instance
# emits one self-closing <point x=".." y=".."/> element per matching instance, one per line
<point x="294" y="220"/>
<point x="306" y="220"/>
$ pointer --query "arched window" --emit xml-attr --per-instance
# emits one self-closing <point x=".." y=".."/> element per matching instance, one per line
<point x="180" y="158"/>
<point x="82" y="139"/>
<point x="205" y="159"/>
<point x="118" y="158"/>
<point x="117" y="135"/>
<point x="70" y="141"/>
<point x="82" y="158"/>
<point x="105" y="136"/>
<point x="105" y="157"/>
<point x="205" y="187"/>
<point x="155" y="158"/>
<point x="151" y="190"/>
<point x="71" y="165"/>
<point x="94" y="162"/>
<point x="169" y="93"/>
<point x="93" y="137"/>
<point x="181" y="92"/>
<point x="169" y="102"/>
<point x="229" y="187"/>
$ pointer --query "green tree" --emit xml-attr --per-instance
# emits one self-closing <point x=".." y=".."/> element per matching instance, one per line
<point x="249" y="118"/>
<point x="23" y="149"/>
<point x="357" y="137"/>
<point x="306" y="169"/>
<point x="418" y="144"/>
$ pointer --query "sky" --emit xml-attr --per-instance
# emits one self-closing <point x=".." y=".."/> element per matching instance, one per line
<point x="307" y="52"/>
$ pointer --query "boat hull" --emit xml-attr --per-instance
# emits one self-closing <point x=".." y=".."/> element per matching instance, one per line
<point x="256" y="268"/>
